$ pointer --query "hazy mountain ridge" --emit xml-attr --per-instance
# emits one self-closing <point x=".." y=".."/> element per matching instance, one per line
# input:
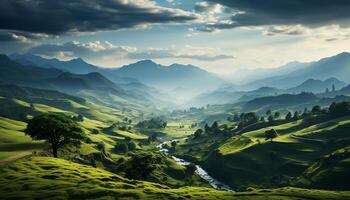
<point x="317" y="86"/>
<point x="93" y="86"/>
<point x="18" y="92"/>
<point x="184" y="79"/>
<point x="246" y="76"/>
<point x="292" y="78"/>
<point x="76" y="66"/>
<point x="337" y="66"/>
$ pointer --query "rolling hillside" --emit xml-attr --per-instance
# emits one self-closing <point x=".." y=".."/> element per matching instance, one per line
<point x="57" y="178"/>
<point x="311" y="153"/>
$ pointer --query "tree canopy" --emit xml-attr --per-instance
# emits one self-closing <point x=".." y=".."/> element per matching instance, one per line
<point x="58" y="130"/>
<point x="271" y="134"/>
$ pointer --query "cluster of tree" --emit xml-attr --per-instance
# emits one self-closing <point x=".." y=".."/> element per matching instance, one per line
<point x="102" y="148"/>
<point x="152" y="138"/>
<point x="271" y="117"/>
<point x="213" y="129"/>
<point x="95" y="131"/>
<point x="247" y="119"/>
<point x="339" y="109"/>
<point x="120" y="126"/>
<point x="127" y="120"/>
<point x="293" y="117"/>
<point x="198" y="133"/>
<point x="152" y="123"/>
<point x="125" y="147"/>
<point x="335" y="110"/>
<point x="78" y="118"/>
<point x="140" y="166"/>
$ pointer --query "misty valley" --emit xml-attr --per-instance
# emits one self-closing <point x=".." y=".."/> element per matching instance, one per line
<point x="175" y="100"/>
<point x="73" y="130"/>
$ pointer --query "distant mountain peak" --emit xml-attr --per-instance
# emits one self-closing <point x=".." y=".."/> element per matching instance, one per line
<point x="332" y="79"/>
<point x="146" y="62"/>
<point x="4" y="59"/>
<point x="78" y="60"/>
<point x="3" y="56"/>
<point x="343" y="54"/>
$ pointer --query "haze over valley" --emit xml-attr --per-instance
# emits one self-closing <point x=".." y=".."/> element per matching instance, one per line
<point x="174" y="99"/>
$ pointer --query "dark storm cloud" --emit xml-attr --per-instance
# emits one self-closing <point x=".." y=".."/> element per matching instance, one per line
<point x="59" y="17"/>
<point x="310" y="13"/>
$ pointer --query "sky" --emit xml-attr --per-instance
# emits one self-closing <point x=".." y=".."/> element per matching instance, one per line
<point x="221" y="36"/>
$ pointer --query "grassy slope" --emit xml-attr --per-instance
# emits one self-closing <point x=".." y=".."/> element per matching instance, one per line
<point x="12" y="139"/>
<point x="332" y="168"/>
<point x="14" y="142"/>
<point x="249" y="160"/>
<point x="49" y="178"/>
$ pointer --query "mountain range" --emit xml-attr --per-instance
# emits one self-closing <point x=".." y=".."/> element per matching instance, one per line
<point x="293" y="78"/>
<point x="93" y="86"/>
<point x="337" y="66"/>
<point x="183" y="81"/>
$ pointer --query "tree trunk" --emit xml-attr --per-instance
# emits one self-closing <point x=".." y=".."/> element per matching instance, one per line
<point x="54" y="151"/>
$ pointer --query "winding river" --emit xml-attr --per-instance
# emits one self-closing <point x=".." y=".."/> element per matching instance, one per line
<point x="199" y="170"/>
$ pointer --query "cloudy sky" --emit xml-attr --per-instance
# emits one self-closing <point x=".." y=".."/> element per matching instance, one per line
<point x="218" y="35"/>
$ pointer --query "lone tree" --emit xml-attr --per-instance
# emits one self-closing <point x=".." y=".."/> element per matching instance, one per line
<point x="277" y="115"/>
<point x="271" y="134"/>
<point x="316" y="109"/>
<point x="58" y="130"/>
<point x="270" y="119"/>
<point x="198" y="133"/>
<point x="289" y="116"/>
<point x="174" y="143"/>
<point x="296" y="115"/>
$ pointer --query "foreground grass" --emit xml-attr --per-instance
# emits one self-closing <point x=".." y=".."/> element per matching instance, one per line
<point x="49" y="178"/>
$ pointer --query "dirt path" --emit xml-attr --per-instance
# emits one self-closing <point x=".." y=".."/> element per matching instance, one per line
<point x="306" y="139"/>
<point x="15" y="157"/>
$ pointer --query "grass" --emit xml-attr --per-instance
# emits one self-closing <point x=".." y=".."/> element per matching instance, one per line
<point x="13" y="141"/>
<point x="332" y="168"/>
<point x="179" y="129"/>
<point x="248" y="160"/>
<point x="49" y="178"/>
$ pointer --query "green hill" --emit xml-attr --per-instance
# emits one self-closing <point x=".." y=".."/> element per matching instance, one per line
<point x="13" y="141"/>
<point x="49" y="178"/>
<point x="248" y="160"/>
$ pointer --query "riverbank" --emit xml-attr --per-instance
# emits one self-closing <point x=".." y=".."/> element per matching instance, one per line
<point x="199" y="170"/>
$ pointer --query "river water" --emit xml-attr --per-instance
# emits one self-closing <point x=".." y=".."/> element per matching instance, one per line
<point x="199" y="170"/>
